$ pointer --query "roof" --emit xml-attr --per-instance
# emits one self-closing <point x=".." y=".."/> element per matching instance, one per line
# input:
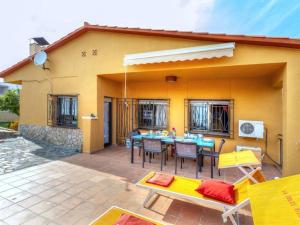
<point x="243" y="39"/>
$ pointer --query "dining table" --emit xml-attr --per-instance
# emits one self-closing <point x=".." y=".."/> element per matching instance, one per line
<point x="168" y="140"/>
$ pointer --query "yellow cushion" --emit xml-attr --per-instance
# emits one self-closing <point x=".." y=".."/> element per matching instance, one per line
<point x="111" y="216"/>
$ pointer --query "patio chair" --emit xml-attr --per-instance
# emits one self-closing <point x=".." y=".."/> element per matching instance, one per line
<point x="139" y="145"/>
<point x="186" y="150"/>
<point x="213" y="154"/>
<point x="184" y="188"/>
<point x="152" y="146"/>
<point x="112" y="215"/>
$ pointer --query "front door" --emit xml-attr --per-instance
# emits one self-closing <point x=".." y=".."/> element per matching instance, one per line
<point x="107" y="121"/>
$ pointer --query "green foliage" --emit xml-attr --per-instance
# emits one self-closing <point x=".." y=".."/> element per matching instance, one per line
<point x="10" y="101"/>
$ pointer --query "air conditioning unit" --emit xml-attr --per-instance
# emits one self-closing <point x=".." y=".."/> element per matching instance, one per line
<point x="251" y="129"/>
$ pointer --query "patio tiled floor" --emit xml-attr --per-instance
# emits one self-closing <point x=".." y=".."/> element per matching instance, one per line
<point x="18" y="153"/>
<point x="81" y="187"/>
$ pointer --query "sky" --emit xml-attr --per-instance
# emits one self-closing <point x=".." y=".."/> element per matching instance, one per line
<point x="21" y="20"/>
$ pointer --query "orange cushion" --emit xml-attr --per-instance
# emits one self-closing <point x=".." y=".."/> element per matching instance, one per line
<point x="218" y="190"/>
<point x="131" y="220"/>
<point x="161" y="179"/>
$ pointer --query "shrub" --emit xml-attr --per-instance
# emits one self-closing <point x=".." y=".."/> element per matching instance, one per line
<point x="14" y="125"/>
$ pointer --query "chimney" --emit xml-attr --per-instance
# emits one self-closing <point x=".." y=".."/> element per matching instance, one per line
<point x="37" y="44"/>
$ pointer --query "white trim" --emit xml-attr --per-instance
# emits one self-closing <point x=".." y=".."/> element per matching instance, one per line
<point x="181" y="54"/>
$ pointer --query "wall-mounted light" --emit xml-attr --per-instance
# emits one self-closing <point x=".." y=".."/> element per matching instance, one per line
<point x="171" y="79"/>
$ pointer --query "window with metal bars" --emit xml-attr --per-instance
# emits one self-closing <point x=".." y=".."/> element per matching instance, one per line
<point x="213" y="117"/>
<point x="153" y="114"/>
<point x="63" y="111"/>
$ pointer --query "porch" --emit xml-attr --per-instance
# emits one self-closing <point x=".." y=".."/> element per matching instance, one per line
<point x="247" y="92"/>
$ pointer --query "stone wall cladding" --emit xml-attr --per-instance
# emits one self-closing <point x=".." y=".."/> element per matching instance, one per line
<point x="65" y="137"/>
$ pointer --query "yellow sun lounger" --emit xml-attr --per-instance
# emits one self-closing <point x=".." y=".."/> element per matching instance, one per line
<point x="112" y="215"/>
<point x="239" y="160"/>
<point x="184" y="188"/>
<point x="276" y="202"/>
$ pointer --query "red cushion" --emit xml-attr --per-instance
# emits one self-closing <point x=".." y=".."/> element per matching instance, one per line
<point x="161" y="179"/>
<point x="218" y="190"/>
<point x="126" y="219"/>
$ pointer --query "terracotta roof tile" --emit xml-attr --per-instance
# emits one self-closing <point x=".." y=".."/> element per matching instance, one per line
<point x="218" y="37"/>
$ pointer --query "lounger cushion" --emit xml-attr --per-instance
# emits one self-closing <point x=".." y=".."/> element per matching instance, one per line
<point x="126" y="219"/>
<point x="217" y="190"/>
<point x="161" y="179"/>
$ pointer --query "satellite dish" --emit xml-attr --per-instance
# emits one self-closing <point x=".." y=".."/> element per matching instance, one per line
<point x="40" y="58"/>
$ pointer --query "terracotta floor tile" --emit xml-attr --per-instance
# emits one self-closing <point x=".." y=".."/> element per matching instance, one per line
<point x="28" y="186"/>
<point x="59" y="198"/>
<point x="38" y="189"/>
<point x="9" y="211"/>
<point x="26" y="203"/>
<point x="20" y="218"/>
<point x="5" y="203"/>
<point x="19" y="196"/>
<point x="48" y="193"/>
<point x="72" y="202"/>
<point x="38" y="220"/>
<point x="63" y="186"/>
<point x="19" y="182"/>
<point x="5" y="187"/>
<point x="10" y="192"/>
<point x="55" y="212"/>
<point x="42" y="207"/>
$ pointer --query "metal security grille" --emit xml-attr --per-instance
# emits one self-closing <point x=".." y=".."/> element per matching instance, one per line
<point x="142" y="114"/>
<point x="126" y="118"/>
<point x="214" y="117"/>
<point x="153" y="114"/>
<point x="62" y="111"/>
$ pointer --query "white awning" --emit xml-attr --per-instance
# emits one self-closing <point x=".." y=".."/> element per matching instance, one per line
<point x="181" y="54"/>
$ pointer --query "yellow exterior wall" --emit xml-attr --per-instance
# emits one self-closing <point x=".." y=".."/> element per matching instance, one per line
<point x="70" y="73"/>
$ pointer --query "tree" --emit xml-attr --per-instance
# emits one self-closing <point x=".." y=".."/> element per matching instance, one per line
<point x="10" y="101"/>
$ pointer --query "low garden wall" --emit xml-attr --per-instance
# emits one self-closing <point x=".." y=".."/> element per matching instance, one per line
<point x="66" y="137"/>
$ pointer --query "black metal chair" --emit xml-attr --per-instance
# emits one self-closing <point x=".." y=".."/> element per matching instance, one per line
<point x="213" y="154"/>
<point x="187" y="150"/>
<point x="152" y="146"/>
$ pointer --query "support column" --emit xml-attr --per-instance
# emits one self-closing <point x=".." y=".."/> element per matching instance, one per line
<point x="291" y="119"/>
<point x="89" y="129"/>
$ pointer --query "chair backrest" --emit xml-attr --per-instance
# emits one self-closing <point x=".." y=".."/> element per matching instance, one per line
<point x="221" y="145"/>
<point x="133" y="133"/>
<point x="185" y="149"/>
<point x="153" y="145"/>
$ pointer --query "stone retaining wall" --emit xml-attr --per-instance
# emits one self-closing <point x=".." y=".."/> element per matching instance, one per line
<point x="65" y="137"/>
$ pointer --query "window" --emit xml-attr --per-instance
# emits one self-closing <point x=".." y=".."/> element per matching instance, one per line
<point x="212" y="117"/>
<point x="153" y="114"/>
<point x="63" y="111"/>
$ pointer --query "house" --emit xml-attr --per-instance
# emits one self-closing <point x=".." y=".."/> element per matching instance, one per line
<point x="100" y="82"/>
